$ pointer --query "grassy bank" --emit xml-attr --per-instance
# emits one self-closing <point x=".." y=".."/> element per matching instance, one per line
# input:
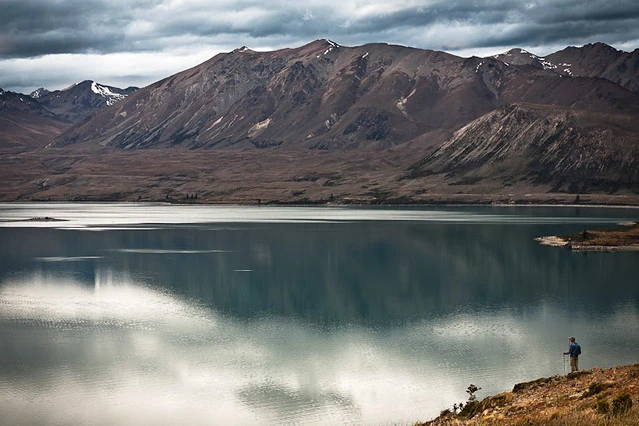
<point x="592" y="397"/>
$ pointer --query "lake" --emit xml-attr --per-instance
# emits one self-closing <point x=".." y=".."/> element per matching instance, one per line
<point x="144" y="314"/>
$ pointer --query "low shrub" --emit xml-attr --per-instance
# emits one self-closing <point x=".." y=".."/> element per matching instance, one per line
<point x="602" y="406"/>
<point x="595" y="388"/>
<point x="621" y="404"/>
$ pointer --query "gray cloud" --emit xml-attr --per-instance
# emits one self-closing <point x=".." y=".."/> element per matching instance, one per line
<point x="36" y="28"/>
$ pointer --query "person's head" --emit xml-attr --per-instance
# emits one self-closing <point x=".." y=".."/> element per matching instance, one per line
<point x="571" y="339"/>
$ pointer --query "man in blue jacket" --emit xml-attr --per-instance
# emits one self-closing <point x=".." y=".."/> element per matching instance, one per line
<point x="574" y="350"/>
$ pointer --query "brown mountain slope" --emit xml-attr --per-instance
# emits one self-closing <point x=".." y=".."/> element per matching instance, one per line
<point x="523" y="57"/>
<point x="602" y="61"/>
<point x="80" y="100"/>
<point x="24" y="124"/>
<point x="327" y="96"/>
<point x="580" y="149"/>
<point x="597" y="60"/>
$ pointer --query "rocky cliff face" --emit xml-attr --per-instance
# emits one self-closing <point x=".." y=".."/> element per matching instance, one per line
<point x="543" y="144"/>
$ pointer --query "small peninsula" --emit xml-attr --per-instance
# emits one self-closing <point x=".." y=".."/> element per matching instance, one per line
<point x="623" y="238"/>
<point x="36" y="219"/>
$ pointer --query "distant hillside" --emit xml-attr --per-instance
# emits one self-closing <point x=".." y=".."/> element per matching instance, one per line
<point x="602" y="61"/>
<point x="80" y="100"/>
<point x="577" y="150"/>
<point x="24" y="123"/>
<point x="596" y="60"/>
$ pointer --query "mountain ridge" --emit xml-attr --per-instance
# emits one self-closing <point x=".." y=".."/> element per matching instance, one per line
<point x="25" y="123"/>
<point x="378" y="123"/>
<point x="327" y="96"/>
<point x="81" y="99"/>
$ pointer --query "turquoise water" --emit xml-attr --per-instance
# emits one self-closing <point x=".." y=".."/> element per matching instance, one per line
<point x="152" y="314"/>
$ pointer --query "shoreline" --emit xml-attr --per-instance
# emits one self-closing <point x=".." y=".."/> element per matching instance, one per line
<point x="327" y="204"/>
<point x="584" y="397"/>
<point x="625" y="237"/>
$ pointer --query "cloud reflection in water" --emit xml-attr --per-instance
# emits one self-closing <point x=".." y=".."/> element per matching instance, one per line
<point x="121" y="352"/>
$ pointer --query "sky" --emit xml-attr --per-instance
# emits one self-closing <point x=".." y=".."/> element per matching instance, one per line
<point x="55" y="43"/>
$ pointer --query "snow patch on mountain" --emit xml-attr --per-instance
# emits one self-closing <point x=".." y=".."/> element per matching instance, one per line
<point x="109" y="96"/>
<point x="38" y="93"/>
<point x="524" y="57"/>
<point x="242" y="49"/>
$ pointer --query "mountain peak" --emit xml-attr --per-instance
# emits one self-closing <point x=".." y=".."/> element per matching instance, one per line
<point x="520" y="56"/>
<point x="106" y="92"/>
<point x="241" y="50"/>
<point x="39" y="93"/>
<point x="518" y="51"/>
<point x="69" y="87"/>
<point x="600" y="45"/>
<point x="332" y="43"/>
<point x="80" y="99"/>
<point x="322" y="43"/>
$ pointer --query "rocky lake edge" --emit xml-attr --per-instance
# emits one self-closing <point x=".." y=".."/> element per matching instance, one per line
<point x="625" y="237"/>
<point x="594" y="397"/>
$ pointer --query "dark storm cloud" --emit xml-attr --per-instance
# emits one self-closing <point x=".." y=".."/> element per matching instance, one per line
<point x="56" y="43"/>
<point x="38" y="27"/>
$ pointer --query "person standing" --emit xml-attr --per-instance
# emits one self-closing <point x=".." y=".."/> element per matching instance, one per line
<point x="574" y="350"/>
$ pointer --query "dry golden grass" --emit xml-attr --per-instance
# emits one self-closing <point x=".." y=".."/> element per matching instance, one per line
<point x="592" y="397"/>
<point x="621" y="236"/>
<point x="581" y="418"/>
<point x="90" y="173"/>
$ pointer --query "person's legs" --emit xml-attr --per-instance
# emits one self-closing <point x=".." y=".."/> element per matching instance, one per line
<point x="573" y="364"/>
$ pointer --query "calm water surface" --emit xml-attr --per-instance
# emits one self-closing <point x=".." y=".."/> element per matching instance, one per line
<point x="150" y="314"/>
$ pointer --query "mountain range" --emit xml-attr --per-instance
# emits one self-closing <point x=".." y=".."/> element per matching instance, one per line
<point x="411" y="125"/>
<point x="31" y="121"/>
<point x="80" y="100"/>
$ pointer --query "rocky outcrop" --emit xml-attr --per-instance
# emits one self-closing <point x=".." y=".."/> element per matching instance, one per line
<point x="543" y="144"/>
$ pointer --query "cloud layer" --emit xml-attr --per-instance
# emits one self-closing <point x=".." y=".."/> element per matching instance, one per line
<point x="178" y="33"/>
